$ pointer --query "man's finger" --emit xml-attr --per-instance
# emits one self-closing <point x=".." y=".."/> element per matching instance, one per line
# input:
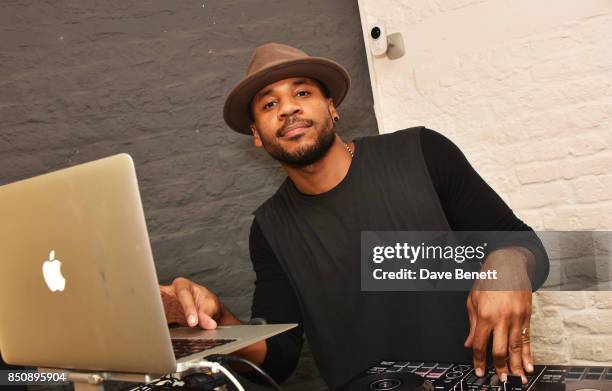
<point x="205" y="321"/>
<point x="185" y="298"/>
<point x="500" y="348"/>
<point x="479" y="346"/>
<point x="165" y="289"/>
<point x="472" y="316"/>
<point x="515" y="350"/>
<point x="204" y="304"/>
<point x="526" y="355"/>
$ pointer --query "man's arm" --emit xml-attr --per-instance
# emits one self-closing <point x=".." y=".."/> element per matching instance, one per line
<point x="471" y="205"/>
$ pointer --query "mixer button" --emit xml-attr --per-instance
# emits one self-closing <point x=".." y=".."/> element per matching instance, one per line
<point x="435" y="373"/>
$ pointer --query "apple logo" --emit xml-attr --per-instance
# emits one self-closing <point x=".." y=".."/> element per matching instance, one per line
<point x="53" y="276"/>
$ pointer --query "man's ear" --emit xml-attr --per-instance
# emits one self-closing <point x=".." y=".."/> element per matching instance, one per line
<point x="256" y="139"/>
<point x="331" y="108"/>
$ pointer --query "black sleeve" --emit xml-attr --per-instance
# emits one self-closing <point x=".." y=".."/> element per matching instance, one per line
<point x="275" y="301"/>
<point x="469" y="203"/>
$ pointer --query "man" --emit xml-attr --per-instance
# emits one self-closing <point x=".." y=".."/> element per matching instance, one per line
<point x="305" y="239"/>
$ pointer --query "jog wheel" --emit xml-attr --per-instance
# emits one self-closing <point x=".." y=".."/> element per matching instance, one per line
<point x="389" y="382"/>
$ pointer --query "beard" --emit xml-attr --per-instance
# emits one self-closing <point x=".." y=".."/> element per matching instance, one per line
<point x="306" y="155"/>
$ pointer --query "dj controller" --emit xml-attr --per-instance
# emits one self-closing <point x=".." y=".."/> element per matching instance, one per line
<point x="434" y="376"/>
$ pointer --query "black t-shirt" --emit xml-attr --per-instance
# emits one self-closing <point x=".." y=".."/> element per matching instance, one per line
<point x="468" y="203"/>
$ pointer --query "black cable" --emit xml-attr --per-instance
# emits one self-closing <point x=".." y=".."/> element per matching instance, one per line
<point x="229" y="358"/>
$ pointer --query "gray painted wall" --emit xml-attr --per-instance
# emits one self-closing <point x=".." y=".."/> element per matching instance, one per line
<point x="81" y="80"/>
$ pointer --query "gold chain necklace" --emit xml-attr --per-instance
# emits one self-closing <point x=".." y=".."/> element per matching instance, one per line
<point x="350" y="151"/>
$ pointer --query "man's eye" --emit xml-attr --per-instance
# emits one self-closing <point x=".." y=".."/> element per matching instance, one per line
<point x="268" y="105"/>
<point x="305" y="93"/>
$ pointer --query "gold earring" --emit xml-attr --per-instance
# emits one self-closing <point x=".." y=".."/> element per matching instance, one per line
<point x="336" y="118"/>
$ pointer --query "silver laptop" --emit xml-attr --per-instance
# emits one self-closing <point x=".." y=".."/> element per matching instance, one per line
<point x="78" y="287"/>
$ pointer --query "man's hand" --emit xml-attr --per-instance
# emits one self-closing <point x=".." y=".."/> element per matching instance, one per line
<point x="190" y="304"/>
<point x="505" y="313"/>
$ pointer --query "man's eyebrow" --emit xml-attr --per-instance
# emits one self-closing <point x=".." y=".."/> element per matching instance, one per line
<point x="302" y="81"/>
<point x="268" y="91"/>
<point x="262" y="94"/>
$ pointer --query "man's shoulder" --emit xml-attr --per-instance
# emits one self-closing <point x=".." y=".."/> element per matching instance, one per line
<point x="389" y="145"/>
<point x="273" y="200"/>
<point x="402" y="135"/>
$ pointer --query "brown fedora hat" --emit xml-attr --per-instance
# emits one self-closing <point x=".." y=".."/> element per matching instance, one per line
<point x="273" y="62"/>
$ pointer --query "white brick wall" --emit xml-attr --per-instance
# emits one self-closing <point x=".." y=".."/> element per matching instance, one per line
<point x="524" y="89"/>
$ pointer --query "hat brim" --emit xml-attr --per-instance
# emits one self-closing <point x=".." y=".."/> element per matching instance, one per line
<point x="237" y="104"/>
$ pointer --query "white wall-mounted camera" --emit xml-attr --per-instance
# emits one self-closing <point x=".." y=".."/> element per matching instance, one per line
<point x="378" y="39"/>
<point x="381" y="44"/>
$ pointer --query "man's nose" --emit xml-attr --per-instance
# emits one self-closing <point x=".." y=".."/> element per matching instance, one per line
<point x="289" y="108"/>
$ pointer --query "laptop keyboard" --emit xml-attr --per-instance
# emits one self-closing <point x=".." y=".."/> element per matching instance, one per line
<point x="186" y="346"/>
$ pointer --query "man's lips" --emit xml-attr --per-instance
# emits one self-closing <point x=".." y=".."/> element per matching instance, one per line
<point x="294" y="129"/>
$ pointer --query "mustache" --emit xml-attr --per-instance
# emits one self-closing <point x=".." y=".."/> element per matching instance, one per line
<point x="290" y="121"/>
